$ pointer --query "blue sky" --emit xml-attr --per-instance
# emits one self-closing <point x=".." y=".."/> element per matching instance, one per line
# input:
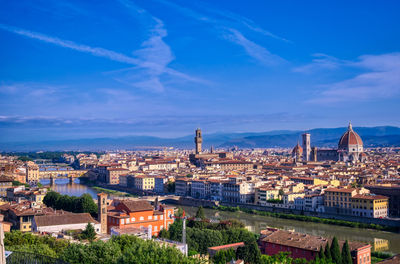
<point x="78" y="69"/>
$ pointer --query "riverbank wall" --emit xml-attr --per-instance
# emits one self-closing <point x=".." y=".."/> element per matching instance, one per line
<point x="189" y="201"/>
<point x="350" y="218"/>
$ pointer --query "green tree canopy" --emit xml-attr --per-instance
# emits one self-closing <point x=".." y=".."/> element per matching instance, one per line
<point x="346" y="254"/>
<point x="224" y="256"/>
<point x="327" y="251"/>
<point x="89" y="233"/>
<point x="200" y="213"/>
<point x="335" y="251"/>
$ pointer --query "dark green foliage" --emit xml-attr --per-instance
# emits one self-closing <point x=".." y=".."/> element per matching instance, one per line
<point x="346" y="255"/>
<point x="179" y="212"/>
<point x="224" y="256"/>
<point x="321" y="253"/>
<point x="27" y="242"/>
<point x="383" y="255"/>
<point x="82" y="204"/>
<point x="200" y="213"/>
<point x="17" y="183"/>
<point x="89" y="233"/>
<point x="335" y="251"/>
<point x="171" y="187"/>
<point x="25" y="158"/>
<point x="276" y="201"/>
<point x="213" y="234"/>
<point x="281" y="258"/>
<point x="118" y="250"/>
<point x="327" y="252"/>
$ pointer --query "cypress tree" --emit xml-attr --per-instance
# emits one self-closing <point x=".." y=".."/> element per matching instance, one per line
<point x="327" y="252"/>
<point x="321" y="253"/>
<point x="335" y="251"/>
<point x="346" y="255"/>
<point x="200" y="213"/>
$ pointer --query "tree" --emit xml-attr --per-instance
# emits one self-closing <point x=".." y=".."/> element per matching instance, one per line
<point x="89" y="233"/>
<point x="171" y="186"/>
<point x="346" y="255"/>
<point x="335" y="251"/>
<point x="88" y="205"/>
<point x="321" y="253"/>
<point x="51" y="198"/>
<point x="224" y="256"/>
<point x="200" y="213"/>
<point x="327" y="251"/>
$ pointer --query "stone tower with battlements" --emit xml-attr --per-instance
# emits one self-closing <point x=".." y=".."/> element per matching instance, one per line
<point x="198" y="140"/>
<point x="306" y="146"/>
<point x="102" y="213"/>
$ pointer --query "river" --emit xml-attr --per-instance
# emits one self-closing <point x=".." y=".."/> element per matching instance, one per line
<point x="380" y="240"/>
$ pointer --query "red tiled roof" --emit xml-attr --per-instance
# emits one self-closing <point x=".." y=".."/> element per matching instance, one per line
<point x="240" y="244"/>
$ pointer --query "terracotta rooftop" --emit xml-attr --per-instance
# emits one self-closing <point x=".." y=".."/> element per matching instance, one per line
<point x="240" y="244"/>
<point x="300" y="240"/>
<point x="64" y="219"/>
<point x="137" y="206"/>
<point x="393" y="260"/>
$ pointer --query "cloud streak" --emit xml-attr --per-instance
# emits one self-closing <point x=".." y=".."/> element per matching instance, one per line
<point x="381" y="80"/>
<point x="229" y="32"/>
<point x="99" y="52"/>
<point x="150" y="64"/>
<point x="321" y="62"/>
<point x="256" y="51"/>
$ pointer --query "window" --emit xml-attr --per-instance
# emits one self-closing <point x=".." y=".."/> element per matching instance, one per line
<point x="150" y="217"/>
<point x="141" y="218"/>
<point x="155" y="217"/>
<point x="161" y="217"/>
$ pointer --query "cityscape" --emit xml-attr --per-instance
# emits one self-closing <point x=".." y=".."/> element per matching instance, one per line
<point x="169" y="131"/>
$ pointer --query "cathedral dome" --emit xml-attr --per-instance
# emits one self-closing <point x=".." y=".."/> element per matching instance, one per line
<point x="297" y="150"/>
<point x="350" y="138"/>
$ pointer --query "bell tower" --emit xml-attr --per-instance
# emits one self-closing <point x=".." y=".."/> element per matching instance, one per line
<point x="102" y="213"/>
<point x="198" y="140"/>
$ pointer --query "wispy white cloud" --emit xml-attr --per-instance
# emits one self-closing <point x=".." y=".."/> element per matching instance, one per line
<point x="241" y="20"/>
<point x="381" y="80"/>
<point x="152" y="59"/>
<point x="320" y="62"/>
<point x="226" y="25"/>
<point x="256" y="51"/>
<point x="99" y="52"/>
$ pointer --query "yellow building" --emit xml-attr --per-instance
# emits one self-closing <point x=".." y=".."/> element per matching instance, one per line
<point x="369" y="205"/>
<point x="32" y="172"/>
<point x="338" y="200"/>
<point x="263" y="194"/>
<point x="144" y="183"/>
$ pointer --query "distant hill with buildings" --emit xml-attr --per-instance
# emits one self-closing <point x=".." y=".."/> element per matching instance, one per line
<point x="320" y="137"/>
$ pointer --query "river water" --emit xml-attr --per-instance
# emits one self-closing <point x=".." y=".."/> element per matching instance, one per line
<point x="380" y="240"/>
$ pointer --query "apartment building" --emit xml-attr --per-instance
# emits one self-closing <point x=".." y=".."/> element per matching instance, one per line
<point x="338" y="200"/>
<point x="183" y="187"/>
<point x="236" y="190"/>
<point x="112" y="175"/>
<point x="5" y="183"/>
<point x="368" y="205"/>
<point x="128" y="214"/>
<point x="263" y="194"/>
<point x="32" y="172"/>
<point x="144" y="183"/>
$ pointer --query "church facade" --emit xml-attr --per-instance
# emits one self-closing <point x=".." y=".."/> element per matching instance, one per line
<point x="350" y="149"/>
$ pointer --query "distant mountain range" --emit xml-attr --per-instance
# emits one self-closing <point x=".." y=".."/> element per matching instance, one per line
<point x="320" y="137"/>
